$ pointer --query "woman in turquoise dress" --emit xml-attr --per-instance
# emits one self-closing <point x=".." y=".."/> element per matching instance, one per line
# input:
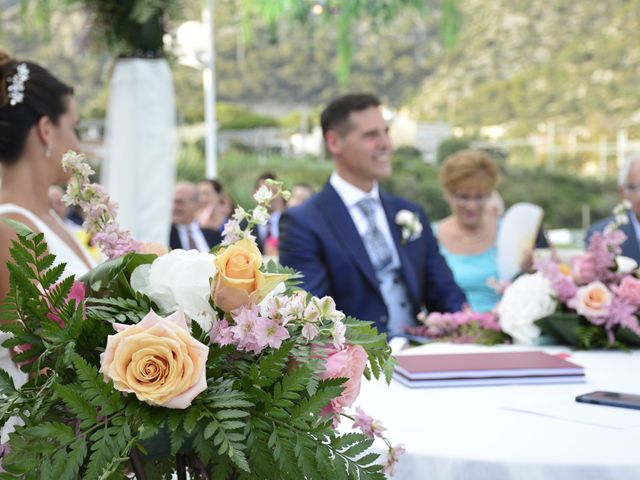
<point x="467" y="237"/>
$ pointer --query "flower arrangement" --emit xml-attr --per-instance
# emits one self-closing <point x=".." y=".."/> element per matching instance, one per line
<point x="460" y="327"/>
<point x="215" y="360"/>
<point x="592" y="302"/>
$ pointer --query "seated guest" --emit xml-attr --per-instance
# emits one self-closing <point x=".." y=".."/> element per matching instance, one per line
<point x="185" y="231"/>
<point x="267" y="236"/>
<point x="629" y="189"/>
<point x="359" y="244"/>
<point x="209" y="197"/>
<point x="300" y="192"/>
<point x="468" y="236"/>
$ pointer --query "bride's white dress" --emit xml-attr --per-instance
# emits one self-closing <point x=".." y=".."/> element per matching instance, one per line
<point x="75" y="266"/>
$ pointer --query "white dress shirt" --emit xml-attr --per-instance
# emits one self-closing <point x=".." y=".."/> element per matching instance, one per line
<point x="196" y="234"/>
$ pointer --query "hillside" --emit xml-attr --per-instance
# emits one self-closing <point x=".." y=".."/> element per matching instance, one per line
<point x="518" y="63"/>
<point x="524" y="62"/>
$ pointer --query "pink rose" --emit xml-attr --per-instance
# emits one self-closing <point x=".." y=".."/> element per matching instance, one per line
<point x="157" y="359"/>
<point x="629" y="290"/>
<point x="583" y="269"/>
<point x="346" y="363"/>
<point x="592" y="300"/>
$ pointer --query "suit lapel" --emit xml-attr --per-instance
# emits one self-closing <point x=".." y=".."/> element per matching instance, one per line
<point x="632" y="249"/>
<point x="408" y="267"/>
<point x="337" y="216"/>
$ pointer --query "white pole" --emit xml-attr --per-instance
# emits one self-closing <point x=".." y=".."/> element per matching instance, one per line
<point x="209" y="85"/>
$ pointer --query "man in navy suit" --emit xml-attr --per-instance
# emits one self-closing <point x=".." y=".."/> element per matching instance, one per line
<point x="345" y="239"/>
<point x="629" y="188"/>
<point x="185" y="230"/>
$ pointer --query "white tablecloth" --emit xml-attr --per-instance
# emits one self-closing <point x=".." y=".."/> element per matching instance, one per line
<point x="466" y="433"/>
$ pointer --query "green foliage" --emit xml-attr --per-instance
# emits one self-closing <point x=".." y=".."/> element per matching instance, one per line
<point x="451" y="146"/>
<point x="343" y="13"/>
<point x="132" y="28"/>
<point x="572" y="329"/>
<point x="234" y="117"/>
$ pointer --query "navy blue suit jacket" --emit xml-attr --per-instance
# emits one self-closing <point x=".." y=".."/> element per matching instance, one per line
<point x="213" y="237"/>
<point x="630" y="247"/>
<point x="319" y="239"/>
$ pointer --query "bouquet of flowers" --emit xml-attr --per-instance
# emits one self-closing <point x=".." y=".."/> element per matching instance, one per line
<point x="460" y="327"/>
<point x="592" y="302"/>
<point x="153" y="364"/>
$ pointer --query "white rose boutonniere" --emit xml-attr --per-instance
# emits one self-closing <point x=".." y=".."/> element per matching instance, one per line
<point x="410" y="224"/>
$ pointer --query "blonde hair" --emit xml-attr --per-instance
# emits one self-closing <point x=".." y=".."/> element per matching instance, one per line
<point x="469" y="168"/>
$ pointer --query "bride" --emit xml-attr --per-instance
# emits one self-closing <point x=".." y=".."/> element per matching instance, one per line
<point x="38" y="116"/>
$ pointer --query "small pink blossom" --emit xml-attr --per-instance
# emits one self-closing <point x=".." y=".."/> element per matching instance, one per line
<point x="369" y="427"/>
<point x="389" y="467"/>
<point x="268" y="332"/>
<point x="221" y="333"/>
<point x="338" y="332"/>
<point x="309" y="331"/>
<point x="244" y="329"/>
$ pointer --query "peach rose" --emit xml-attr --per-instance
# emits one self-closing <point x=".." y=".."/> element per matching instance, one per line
<point x="157" y="359"/>
<point x="239" y="280"/>
<point x="592" y="300"/>
<point x="629" y="290"/>
<point x="349" y="363"/>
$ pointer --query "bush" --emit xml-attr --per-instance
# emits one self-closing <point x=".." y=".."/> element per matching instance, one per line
<point x="450" y="146"/>
<point x="234" y="117"/>
<point x="560" y="193"/>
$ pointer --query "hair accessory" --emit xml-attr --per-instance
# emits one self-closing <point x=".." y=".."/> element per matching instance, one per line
<point x="16" y="84"/>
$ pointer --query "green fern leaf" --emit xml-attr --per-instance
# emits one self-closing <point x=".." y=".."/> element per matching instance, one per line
<point x="74" y="400"/>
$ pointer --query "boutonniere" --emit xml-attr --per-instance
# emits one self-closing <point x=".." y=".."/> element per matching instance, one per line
<point x="410" y="224"/>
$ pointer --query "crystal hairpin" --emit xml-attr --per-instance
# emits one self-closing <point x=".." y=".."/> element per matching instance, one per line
<point x="16" y="84"/>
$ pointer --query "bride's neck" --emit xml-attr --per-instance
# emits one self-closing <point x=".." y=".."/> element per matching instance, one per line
<point x="25" y="187"/>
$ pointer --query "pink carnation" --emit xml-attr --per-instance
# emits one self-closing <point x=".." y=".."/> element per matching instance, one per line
<point x="629" y="290"/>
<point x="346" y="363"/>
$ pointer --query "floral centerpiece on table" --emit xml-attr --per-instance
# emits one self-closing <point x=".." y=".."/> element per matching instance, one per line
<point x="592" y="302"/>
<point x="212" y="363"/>
<point x="460" y="327"/>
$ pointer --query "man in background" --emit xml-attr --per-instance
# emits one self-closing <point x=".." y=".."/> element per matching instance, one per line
<point x="629" y="189"/>
<point x="348" y="239"/>
<point x="186" y="233"/>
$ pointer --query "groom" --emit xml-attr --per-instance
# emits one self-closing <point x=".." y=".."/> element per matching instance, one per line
<point x="346" y="240"/>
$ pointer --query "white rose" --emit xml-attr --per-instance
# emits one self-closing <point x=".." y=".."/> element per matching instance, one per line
<point x="179" y="279"/>
<point x="404" y="217"/>
<point x="526" y="300"/>
<point x="625" y="264"/>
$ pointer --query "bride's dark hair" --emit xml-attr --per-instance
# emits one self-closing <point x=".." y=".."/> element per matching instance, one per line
<point x="44" y="95"/>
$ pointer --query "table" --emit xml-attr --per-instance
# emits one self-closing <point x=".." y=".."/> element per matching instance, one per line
<point x="466" y="433"/>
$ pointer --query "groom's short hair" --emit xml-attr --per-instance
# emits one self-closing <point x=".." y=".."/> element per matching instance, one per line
<point x="336" y="115"/>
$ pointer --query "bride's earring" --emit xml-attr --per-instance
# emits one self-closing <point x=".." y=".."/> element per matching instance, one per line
<point x="47" y="152"/>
